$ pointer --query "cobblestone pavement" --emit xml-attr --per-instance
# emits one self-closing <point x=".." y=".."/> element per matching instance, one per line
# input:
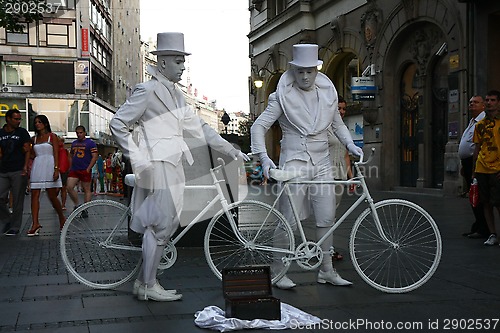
<point x="38" y="295"/>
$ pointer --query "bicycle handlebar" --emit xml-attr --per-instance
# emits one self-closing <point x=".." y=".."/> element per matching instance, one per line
<point x="221" y="161"/>
<point x="361" y="162"/>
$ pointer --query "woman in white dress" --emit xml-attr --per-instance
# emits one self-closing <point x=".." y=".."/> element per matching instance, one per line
<point x="44" y="172"/>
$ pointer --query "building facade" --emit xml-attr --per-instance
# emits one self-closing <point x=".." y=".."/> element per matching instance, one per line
<point x="407" y="69"/>
<point x="66" y="65"/>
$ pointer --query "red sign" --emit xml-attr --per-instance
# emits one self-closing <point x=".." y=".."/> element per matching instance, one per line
<point x="85" y="42"/>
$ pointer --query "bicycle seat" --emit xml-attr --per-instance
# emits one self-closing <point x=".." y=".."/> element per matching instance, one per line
<point x="284" y="175"/>
<point x="130" y="179"/>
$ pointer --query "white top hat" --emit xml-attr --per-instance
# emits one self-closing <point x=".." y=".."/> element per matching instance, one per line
<point x="170" y="43"/>
<point x="305" y="55"/>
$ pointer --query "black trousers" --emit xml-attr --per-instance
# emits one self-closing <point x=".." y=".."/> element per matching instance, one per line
<point x="479" y="225"/>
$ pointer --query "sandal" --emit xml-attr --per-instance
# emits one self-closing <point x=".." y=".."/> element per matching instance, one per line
<point x="337" y="256"/>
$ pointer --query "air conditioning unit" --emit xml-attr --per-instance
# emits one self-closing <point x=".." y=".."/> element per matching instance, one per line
<point x="6" y="89"/>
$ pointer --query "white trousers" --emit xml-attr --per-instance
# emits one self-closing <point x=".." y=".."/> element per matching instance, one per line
<point x="167" y="182"/>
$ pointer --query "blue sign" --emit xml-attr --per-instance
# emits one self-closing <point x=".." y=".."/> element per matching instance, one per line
<point x="363" y="88"/>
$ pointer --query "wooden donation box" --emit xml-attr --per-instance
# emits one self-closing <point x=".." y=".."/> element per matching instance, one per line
<point x="248" y="293"/>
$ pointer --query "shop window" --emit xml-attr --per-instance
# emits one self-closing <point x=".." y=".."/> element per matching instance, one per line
<point x="15" y="73"/>
<point x="62" y="77"/>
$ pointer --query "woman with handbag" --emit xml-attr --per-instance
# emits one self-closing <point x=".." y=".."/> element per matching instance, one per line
<point x="63" y="171"/>
<point x="44" y="172"/>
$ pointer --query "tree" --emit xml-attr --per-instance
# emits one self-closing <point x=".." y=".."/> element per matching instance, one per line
<point x="14" y="14"/>
<point x="244" y="137"/>
<point x="244" y="127"/>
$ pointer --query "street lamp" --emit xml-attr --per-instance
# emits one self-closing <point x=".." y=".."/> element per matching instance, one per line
<point x="259" y="75"/>
<point x="225" y="119"/>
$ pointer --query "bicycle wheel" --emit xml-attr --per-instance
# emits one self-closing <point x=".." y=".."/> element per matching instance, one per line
<point x="412" y="257"/>
<point x="95" y="247"/>
<point x="266" y="239"/>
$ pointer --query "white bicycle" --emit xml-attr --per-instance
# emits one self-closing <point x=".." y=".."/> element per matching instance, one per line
<point x="96" y="248"/>
<point x="395" y="245"/>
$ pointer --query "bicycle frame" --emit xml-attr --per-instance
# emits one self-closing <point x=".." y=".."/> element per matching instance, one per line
<point x="358" y="180"/>
<point x="217" y="198"/>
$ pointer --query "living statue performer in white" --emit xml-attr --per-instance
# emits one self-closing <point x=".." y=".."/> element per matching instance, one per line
<point x="149" y="130"/>
<point x="305" y="105"/>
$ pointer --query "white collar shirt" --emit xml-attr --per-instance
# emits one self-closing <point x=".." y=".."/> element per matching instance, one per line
<point x="466" y="147"/>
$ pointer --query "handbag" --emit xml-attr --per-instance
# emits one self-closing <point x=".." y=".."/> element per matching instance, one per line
<point x="63" y="160"/>
<point x="474" y="193"/>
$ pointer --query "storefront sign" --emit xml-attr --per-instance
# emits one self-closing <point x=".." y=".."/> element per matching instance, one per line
<point x="85" y="42"/>
<point x="363" y="88"/>
<point x="82" y="76"/>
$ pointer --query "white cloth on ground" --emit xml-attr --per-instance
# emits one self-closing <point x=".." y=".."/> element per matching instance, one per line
<point x="213" y="317"/>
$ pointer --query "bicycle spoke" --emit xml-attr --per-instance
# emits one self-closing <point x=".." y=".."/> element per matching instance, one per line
<point x="259" y="236"/>
<point x="95" y="246"/>
<point x="409" y="259"/>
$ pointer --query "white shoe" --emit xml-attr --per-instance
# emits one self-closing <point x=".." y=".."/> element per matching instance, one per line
<point x="492" y="240"/>
<point x="332" y="277"/>
<point x="156" y="293"/>
<point x="138" y="284"/>
<point x="285" y="283"/>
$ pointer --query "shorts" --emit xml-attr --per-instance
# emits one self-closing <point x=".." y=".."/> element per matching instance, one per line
<point x="95" y="175"/>
<point x="489" y="188"/>
<point x="109" y="176"/>
<point x="82" y="175"/>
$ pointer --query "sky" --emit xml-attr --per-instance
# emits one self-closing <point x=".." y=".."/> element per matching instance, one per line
<point x="215" y="33"/>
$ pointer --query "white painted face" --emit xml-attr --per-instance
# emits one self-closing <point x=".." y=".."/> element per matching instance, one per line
<point x="305" y="77"/>
<point x="171" y="66"/>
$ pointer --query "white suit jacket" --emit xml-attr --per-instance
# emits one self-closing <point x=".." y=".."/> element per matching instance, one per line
<point x="303" y="138"/>
<point x="150" y="125"/>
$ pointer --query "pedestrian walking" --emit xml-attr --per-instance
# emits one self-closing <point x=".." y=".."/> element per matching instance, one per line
<point x="83" y="157"/>
<point x="44" y="172"/>
<point x="15" y="147"/>
<point x="487" y="161"/>
<point x="479" y="229"/>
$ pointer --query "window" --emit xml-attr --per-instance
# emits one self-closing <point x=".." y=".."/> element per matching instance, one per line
<point x="275" y="7"/>
<point x="61" y="74"/>
<point x="64" y="4"/>
<point x="99" y="52"/>
<point x="99" y="22"/>
<point x="16" y="73"/>
<point x="57" y="35"/>
<point x="18" y="37"/>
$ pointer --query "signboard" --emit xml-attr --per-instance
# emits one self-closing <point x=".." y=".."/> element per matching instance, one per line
<point x="363" y="88"/>
<point x="82" y="76"/>
<point x="85" y="43"/>
<point x="355" y="126"/>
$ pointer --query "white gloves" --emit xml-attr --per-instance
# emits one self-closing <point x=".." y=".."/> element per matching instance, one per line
<point x="354" y="150"/>
<point x="242" y="155"/>
<point x="267" y="164"/>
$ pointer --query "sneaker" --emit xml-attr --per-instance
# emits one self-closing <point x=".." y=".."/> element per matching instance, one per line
<point x="11" y="232"/>
<point x="492" y="240"/>
<point x="84" y="214"/>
